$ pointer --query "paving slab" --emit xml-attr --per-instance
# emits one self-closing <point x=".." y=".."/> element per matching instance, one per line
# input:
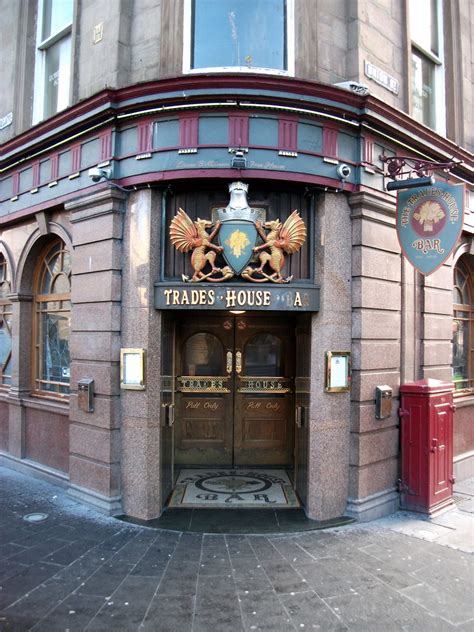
<point x="81" y="571"/>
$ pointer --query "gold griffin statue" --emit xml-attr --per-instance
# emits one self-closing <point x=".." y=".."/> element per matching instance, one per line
<point x="287" y="237"/>
<point x="187" y="235"/>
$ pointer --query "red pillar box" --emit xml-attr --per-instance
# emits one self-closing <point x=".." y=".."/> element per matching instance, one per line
<point x="426" y="412"/>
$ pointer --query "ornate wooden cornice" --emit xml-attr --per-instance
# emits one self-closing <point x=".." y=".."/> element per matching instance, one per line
<point x="235" y="90"/>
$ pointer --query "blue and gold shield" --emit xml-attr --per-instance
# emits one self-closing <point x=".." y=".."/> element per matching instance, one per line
<point x="237" y="238"/>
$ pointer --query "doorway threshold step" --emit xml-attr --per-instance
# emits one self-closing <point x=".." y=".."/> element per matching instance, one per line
<point x="238" y="521"/>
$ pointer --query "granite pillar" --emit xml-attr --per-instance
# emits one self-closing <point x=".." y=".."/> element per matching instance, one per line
<point x="330" y="331"/>
<point x="96" y="295"/>
<point x="141" y="328"/>
<point x="21" y="372"/>
<point x="384" y="330"/>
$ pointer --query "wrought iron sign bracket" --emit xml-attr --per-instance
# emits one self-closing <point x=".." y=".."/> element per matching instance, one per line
<point x="417" y="172"/>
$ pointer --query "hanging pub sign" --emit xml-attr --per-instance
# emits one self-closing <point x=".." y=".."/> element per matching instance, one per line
<point x="250" y="246"/>
<point x="429" y="222"/>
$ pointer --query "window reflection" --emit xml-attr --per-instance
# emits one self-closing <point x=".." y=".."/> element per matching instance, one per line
<point x="5" y="324"/>
<point x="463" y="324"/>
<point x="423" y="89"/>
<point x="239" y="33"/>
<point x="203" y="355"/>
<point x="263" y="356"/>
<point x="53" y="318"/>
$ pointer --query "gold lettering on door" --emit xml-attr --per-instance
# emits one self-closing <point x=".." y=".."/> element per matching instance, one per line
<point x="193" y="405"/>
<point x="273" y="406"/>
<point x="254" y="405"/>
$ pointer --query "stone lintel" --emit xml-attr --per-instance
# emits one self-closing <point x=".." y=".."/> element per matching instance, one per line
<point x="372" y="206"/>
<point x="92" y="205"/>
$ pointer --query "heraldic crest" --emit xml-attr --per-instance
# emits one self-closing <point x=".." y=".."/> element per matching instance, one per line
<point x="248" y="244"/>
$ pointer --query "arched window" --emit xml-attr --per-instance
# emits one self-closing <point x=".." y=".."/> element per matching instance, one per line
<point x="52" y="318"/>
<point x="5" y="324"/>
<point x="263" y="356"/>
<point x="463" y="324"/>
<point x="203" y="355"/>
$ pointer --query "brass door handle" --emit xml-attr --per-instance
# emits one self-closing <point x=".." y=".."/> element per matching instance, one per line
<point x="238" y="362"/>
<point x="229" y="362"/>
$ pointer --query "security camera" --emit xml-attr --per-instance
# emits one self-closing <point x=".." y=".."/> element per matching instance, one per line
<point x="96" y="174"/>
<point x="344" y="171"/>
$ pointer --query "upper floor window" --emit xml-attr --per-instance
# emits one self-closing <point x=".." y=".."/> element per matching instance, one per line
<point x="427" y="71"/>
<point x="53" y="57"/>
<point x="239" y="35"/>
<point x="463" y="324"/>
<point x="52" y="317"/>
<point x="5" y="323"/>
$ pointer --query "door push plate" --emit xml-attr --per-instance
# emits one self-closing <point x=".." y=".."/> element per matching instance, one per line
<point x="299" y="416"/>
<point x="85" y="395"/>
<point x="383" y="401"/>
<point x="238" y="362"/>
<point x="168" y="414"/>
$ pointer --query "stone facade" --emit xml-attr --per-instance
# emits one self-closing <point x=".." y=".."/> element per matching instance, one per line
<point x="166" y="136"/>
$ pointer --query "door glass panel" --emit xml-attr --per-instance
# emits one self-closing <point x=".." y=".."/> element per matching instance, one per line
<point x="203" y="355"/>
<point x="262" y="356"/>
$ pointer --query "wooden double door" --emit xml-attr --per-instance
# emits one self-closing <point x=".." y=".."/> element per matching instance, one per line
<point x="234" y="391"/>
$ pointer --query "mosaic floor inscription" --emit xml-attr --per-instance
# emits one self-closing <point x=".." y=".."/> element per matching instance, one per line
<point x="233" y="489"/>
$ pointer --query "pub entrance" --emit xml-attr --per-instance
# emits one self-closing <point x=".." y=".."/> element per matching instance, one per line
<point x="234" y="390"/>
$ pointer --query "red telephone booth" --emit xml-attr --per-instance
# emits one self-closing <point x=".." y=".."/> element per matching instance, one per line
<point x="426" y="412"/>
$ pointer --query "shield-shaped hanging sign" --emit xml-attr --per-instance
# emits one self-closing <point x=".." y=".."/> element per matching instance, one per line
<point x="429" y="222"/>
<point x="237" y="238"/>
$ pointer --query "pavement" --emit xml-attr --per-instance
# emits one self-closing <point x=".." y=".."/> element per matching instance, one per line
<point x="79" y="570"/>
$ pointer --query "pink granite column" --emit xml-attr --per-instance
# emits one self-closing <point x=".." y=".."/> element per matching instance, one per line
<point x="385" y="329"/>
<point x="21" y="372"/>
<point x="96" y="295"/>
<point x="330" y="331"/>
<point x="141" y="328"/>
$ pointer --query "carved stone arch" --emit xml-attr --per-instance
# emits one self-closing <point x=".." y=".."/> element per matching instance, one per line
<point x="5" y="251"/>
<point x="60" y="231"/>
<point x="463" y="248"/>
<point x="29" y="255"/>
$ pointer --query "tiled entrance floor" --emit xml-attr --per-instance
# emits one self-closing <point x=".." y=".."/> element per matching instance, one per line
<point x="234" y="488"/>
